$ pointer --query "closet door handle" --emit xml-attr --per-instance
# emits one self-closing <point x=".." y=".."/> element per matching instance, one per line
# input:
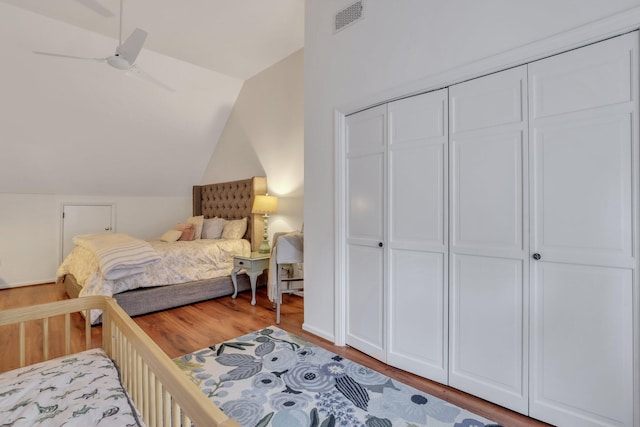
<point x="537" y="256"/>
<point x="380" y="244"/>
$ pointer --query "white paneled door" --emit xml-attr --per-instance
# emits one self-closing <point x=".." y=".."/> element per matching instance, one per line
<point x="488" y="289"/>
<point x="366" y="191"/>
<point x="397" y="239"/>
<point x="584" y="175"/>
<point x="417" y="294"/>
<point x="84" y="219"/>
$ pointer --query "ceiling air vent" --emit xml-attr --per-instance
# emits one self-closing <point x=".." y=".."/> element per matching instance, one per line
<point x="348" y="16"/>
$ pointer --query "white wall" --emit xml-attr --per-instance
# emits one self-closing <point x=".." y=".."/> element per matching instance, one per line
<point x="402" y="47"/>
<point x="30" y="229"/>
<point x="264" y="137"/>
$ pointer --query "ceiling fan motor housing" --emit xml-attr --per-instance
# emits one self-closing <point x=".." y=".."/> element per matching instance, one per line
<point x="118" y="62"/>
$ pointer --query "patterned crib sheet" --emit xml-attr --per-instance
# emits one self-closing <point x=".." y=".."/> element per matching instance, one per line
<point x="82" y="389"/>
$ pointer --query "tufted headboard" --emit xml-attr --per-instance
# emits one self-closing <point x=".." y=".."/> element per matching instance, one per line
<point x="232" y="200"/>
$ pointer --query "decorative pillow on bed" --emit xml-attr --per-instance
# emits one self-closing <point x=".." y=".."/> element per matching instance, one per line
<point x="212" y="228"/>
<point x="188" y="231"/>
<point x="197" y="222"/>
<point x="171" y="236"/>
<point x="235" y="229"/>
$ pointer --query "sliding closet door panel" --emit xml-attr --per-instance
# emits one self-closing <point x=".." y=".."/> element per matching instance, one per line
<point x="470" y="111"/>
<point x="417" y="195"/>
<point x="366" y="165"/>
<point x="486" y="294"/>
<point x="582" y="351"/>
<point x="593" y="80"/>
<point x="489" y="274"/>
<point x="417" y="340"/>
<point x="366" y="195"/>
<point x="488" y="191"/>
<point x="417" y="297"/>
<point x="584" y="280"/>
<point x="583" y="213"/>
<point x="365" y="300"/>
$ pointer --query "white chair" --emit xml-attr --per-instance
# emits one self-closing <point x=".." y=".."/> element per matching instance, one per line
<point x="288" y="250"/>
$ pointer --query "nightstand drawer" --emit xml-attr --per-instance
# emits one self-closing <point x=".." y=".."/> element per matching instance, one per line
<point x="253" y="264"/>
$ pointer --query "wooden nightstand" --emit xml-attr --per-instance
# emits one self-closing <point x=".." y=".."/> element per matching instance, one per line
<point x="254" y="264"/>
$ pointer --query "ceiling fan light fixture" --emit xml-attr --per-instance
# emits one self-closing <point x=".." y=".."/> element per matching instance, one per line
<point x="118" y="62"/>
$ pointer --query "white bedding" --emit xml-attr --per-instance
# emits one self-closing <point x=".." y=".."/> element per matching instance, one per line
<point x="119" y="255"/>
<point x="180" y="262"/>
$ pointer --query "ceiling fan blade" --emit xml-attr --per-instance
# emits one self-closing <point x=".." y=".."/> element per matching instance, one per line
<point x="140" y="73"/>
<point x="96" y="7"/>
<point x="68" y="56"/>
<point x="132" y="46"/>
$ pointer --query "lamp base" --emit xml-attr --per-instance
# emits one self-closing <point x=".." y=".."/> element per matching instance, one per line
<point x="264" y="247"/>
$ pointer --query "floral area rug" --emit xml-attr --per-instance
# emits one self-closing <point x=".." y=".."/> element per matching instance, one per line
<point x="273" y="378"/>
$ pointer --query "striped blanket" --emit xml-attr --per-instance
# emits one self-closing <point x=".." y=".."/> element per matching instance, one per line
<point x="118" y="254"/>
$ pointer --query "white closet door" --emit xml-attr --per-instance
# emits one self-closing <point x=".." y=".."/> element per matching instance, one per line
<point x="366" y="163"/>
<point x="584" y="166"/>
<point x="418" y="238"/>
<point x="84" y="219"/>
<point x="488" y="238"/>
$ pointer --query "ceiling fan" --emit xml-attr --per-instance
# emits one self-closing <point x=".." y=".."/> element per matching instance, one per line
<point x="125" y="55"/>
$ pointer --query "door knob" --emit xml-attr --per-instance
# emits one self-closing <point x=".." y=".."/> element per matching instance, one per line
<point x="380" y="244"/>
<point x="537" y="256"/>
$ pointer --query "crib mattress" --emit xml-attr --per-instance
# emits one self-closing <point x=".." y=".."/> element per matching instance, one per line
<point x="82" y="389"/>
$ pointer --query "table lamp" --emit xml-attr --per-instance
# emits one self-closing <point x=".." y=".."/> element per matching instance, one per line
<point x="265" y="205"/>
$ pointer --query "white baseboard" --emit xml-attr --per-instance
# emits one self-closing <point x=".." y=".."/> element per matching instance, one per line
<point x="318" y="332"/>
<point x="30" y="283"/>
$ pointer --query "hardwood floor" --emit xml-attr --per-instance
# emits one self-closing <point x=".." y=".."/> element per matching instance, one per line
<point x="189" y="328"/>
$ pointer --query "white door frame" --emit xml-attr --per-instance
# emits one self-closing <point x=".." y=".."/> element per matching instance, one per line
<point x="614" y="25"/>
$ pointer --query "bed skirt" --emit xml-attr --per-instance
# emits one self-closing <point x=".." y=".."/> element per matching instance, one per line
<point x="148" y="300"/>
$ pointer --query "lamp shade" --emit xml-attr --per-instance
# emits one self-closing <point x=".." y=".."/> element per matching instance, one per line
<point x="265" y="205"/>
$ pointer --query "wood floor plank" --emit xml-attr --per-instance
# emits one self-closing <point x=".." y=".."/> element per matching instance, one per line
<point x="193" y="327"/>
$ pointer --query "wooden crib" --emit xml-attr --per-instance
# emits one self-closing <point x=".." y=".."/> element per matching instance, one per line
<point x="161" y="392"/>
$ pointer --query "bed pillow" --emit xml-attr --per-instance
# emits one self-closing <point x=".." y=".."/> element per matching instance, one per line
<point x="197" y="222"/>
<point x="212" y="228"/>
<point x="188" y="231"/>
<point x="171" y="236"/>
<point x="234" y="229"/>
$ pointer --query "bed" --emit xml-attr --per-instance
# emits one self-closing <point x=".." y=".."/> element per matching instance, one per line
<point x="229" y="200"/>
<point x="157" y="391"/>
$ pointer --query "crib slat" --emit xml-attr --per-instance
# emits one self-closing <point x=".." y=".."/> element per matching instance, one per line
<point x="131" y="368"/>
<point x="45" y="338"/>
<point x="22" y="345"/>
<point x="145" y="390"/>
<point x="176" y="412"/>
<point x="138" y="387"/>
<point x="87" y="332"/>
<point x="67" y="334"/>
<point x="151" y="381"/>
<point x="158" y="404"/>
<point x="167" y="409"/>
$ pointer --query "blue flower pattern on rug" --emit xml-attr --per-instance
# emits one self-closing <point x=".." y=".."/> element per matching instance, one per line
<point x="273" y="378"/>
